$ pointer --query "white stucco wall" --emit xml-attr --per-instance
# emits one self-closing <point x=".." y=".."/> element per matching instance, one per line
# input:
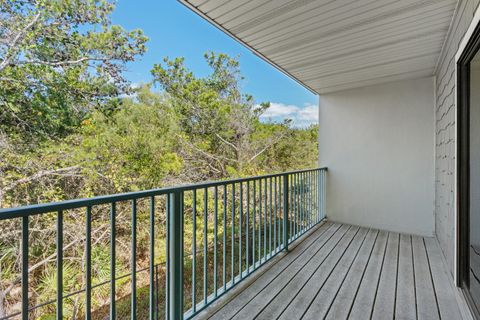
<point x="378" y="144"/>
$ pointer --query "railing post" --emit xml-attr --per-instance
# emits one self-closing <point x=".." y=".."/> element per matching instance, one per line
<point x="175" y="273"/>
<point x="285" y="212"/>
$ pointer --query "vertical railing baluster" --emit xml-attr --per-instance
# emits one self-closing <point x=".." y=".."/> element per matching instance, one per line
<point x="247" y="223"/>
<point x="311" y="192"/>
<point x="325" y="192"/>
<point x="25" y="268"/>
<point x="280" y="215"/>
<point x="112" y="260"/>
<point x="319" y="197"/>
<point x="133" y="301"/>
<point x="152" y="259"/>
<point x="291" y="208"/>
<point x="302" y="202"/>
<point x="254" y="224"/>
<point x="321" y="194"/>
<point x="205" y="245"/>
<point x="265" y="221"/>
<point x="281" y="200"/>
<point x="307" y="201"/>
<point x="224" y="265"/>
<point x="215" y="231"/>
<point x="233" y="234"/>
<point x="300" y="209"/>
<point x="182" y="248"/>
<point x="307" y="196"/>
<point x="270" y="218"/>
<point x="88" y="264"/>
<point x="260" y="241"/>
<point x="300" y="192"/>
<point x="275" y="243"/>
<point x="59" y="265"/>
<point x="310" y="197"/>
<point x="302" y="184"/>
<point x="167" y="254"/>
<point x="305" y="192"/>
<point x="315" y="183"/>
<point x="297" y="206"/>
<point x="297" y="196"/>
<point x="285" y="212"/>
<point x="260" y="221"/>
<point x="157" y="293"/>
<point x="240" y="221"/>
<point x="175" y="273"/>
<point x="319" y="202"/>
<point x="314" y="197"/>
<point x="194" y="250"/>
<point x="315" y="180"/>
<point x="295" y="203"/>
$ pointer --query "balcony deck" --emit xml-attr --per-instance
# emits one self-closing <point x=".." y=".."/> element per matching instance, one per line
<point x="340" y="271"/>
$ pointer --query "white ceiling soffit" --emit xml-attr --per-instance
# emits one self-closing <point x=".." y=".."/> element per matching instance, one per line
<point x="332" y="45"/>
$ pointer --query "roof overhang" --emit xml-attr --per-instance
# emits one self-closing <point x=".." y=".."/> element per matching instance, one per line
<point x="333" y="45"/>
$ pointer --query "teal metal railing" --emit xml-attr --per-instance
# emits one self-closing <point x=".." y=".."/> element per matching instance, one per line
<point x="203" y="240"/>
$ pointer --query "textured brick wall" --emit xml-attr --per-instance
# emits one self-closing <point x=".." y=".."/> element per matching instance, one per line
<point x="445" y="132"/>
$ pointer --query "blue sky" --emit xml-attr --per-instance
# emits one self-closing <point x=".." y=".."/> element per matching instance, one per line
<point x="176" y="31"/>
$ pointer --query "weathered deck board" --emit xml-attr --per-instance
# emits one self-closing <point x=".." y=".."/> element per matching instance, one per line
<point x="323" y="263"/>
<point x="366" y="293"/>
<point x="346" y="296"/>
<point x="290" y="279"/>
<point x="307" y="294"/>
<point x="346" y="272"/>
<point x="327" y="292"/>
<point x="289" y="264"/>
<point x="384" y="306"/>
<point x="447" y="303"/>
<point x="405" y="307"/>
<point x="426" y="302"/>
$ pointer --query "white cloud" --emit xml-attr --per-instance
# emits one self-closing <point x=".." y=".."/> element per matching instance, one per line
<point x="280" y="110"/>
<point x="301" y="116"/>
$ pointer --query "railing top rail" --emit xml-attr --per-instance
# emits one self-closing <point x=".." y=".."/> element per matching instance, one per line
<point x="17" y="212"/>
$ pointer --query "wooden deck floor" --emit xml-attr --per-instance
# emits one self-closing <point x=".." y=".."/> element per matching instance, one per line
<point x="346" y="272"/>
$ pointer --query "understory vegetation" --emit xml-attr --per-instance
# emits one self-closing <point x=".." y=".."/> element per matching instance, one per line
<point x="71" y="126"/>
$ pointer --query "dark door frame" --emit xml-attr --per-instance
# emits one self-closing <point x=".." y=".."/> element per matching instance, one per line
<point x="463" y="165"/>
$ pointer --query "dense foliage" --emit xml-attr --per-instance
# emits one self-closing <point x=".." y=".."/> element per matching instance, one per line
<point x="71" y="126"/>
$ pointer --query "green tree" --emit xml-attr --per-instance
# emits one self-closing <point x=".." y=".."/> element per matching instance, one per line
<point x="132" y="149"/>
<point x="219" y="123"/>
<point x="59" y="60"/>
<point x="195" y="128"/>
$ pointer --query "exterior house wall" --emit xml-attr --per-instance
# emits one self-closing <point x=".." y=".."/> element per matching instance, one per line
<point x="378" y="144"/>
<point x="445" y="129"/>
